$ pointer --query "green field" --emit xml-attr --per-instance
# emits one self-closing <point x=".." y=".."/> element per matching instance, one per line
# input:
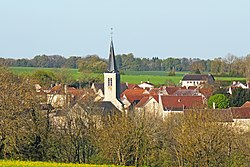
<point x="134" y="77"/>
<point x="10" y="163"/>
<point x="29" y="70"/>
<point x="158" y="73"/>
<point x="155" y="79"/>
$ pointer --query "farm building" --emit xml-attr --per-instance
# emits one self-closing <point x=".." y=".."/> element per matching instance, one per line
<point x="197" y="80"/>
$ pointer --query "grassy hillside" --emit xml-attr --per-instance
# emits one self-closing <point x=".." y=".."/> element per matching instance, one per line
<point x="135" y="77"/>
<point x="9" y="163"/>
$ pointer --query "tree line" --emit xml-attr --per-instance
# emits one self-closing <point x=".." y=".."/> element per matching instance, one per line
<point x="230" y="65"/>
<point x="27" y="132"/>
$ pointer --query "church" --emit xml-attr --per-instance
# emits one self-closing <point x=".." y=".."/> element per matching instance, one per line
<point x="112" y="81"/>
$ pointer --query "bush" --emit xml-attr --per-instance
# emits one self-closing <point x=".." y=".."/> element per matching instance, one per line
<point x="220" y="100"/>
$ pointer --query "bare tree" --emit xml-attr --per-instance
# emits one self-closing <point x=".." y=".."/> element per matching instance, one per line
<point x="229" y="60"/>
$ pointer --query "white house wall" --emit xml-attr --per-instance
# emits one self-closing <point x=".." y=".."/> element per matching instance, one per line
<point x="56" y="100"/>
<point x="191" y="83"/>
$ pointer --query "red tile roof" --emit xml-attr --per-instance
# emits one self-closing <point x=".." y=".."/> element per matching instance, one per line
<point x="71" y="90"/>
<point x="246" y="104"/>
<point x="207" y="92"/>
<point x="76" y="92"/>
<point x="134" y="94"/>
<point x="143" y="101"/>
<point x="56" y="89"/>
<point x="185" y="92"/>
<point x="156" y="97"/>
<point x="172" y="89"/>
<point x="133" y="86"/>
<point x="170" y="102"/>
<point x="241" y="113"/>
<point x="154" y="91"/>
<point x="192" y="87"/>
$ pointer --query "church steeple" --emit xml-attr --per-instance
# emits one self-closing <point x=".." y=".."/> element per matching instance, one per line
<point x="112" y="80"/>
<point x="112" y="63"/>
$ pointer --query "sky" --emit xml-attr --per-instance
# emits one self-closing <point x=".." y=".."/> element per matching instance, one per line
<point x="204" y="29"/>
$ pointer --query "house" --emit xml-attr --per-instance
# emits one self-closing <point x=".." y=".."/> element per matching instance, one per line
<point x="57" y="96"/>
<point x="149" y="104"/>
<point x="166" y="104"/>
<point x="238" y="116"/>
<point x="98" y="88"/>
<point x="89" y="114"/>
<point x="197" y="80"/>
<point x="241" y="116"/>
<point x="237" y="85"/>
<point x="130" y="97"/>
<point x="146" y="85"/>
<point x="206" y="91"/>
<point x="171" y="89"/>
<point x="175" y="104"/>
<point x="60" y="96"/>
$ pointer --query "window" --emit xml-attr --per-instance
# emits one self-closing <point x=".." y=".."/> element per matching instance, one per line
<point x="109" y="81"/>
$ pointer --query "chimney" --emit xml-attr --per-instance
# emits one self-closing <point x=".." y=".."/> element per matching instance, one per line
<point x="65" y="89"/>
<point x="127" y="84"/>
<point x="214" y="105"/>
<point x="230" y="90"/>
<point x="161" y="108"/>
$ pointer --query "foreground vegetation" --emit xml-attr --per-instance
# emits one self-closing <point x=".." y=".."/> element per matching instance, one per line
<point x="13" y="163"/>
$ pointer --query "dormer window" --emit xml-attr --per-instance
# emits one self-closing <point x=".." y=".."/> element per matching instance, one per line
<point x="109" y="81"/>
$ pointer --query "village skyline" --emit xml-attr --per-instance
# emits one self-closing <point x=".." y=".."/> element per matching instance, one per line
<point x="124" y="83"/>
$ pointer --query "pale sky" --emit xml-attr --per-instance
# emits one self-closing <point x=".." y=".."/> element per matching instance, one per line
<point x="147" y="28"/>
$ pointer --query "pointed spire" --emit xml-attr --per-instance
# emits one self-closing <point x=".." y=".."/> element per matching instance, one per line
<point x="112" y="64"/>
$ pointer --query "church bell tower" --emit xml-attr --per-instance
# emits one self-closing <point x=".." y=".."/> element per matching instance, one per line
<point x="112" y="81"/>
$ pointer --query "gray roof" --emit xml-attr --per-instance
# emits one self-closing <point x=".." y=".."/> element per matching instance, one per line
<point x="102" y="108"/>
<point x="123" y="87"/>
<point x="99" y="86"/>
<point x="186" y="92"/>
<point x="112" y="63"/>
<point x="106" y="108"/>
<point x="197" y="77"/>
